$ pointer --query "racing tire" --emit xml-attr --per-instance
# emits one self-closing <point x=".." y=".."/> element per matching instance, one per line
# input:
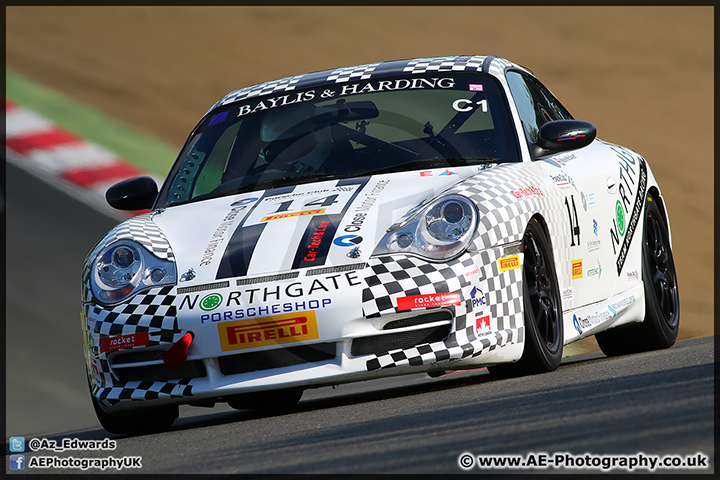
<point x="662" y="303"/>
<point x="132" y="422"/>
<point x="272" y="400"/>
<point x="542" y="309"/>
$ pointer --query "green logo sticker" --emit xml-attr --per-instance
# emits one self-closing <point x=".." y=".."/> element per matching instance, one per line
<point x="620" y="218"/>
<point x="211" y="301"/>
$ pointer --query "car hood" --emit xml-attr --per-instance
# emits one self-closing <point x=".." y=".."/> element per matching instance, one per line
<point x="321" y="224"/>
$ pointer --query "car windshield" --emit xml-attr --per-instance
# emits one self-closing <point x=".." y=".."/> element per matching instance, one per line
<point x="401" y="123"/>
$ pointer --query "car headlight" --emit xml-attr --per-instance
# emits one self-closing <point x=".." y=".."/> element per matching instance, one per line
<point x="441" y="230"/>
<point x="125" y="268"/>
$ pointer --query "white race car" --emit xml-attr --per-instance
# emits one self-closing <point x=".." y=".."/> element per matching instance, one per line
<point x="408" y="216"/>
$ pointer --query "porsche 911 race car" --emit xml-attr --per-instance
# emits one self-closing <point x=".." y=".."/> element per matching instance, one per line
<point x="408" y="216"/>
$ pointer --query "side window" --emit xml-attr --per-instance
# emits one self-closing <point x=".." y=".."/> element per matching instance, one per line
<point x="535" y="104"/>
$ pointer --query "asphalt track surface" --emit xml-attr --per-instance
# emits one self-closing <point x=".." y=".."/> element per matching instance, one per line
<point x="657" y="403"/>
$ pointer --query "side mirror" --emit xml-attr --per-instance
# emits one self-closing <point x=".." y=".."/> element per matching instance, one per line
<point x="563" y="135"/>
<point x="137" y="193"/>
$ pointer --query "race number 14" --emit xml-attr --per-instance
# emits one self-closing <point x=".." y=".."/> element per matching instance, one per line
<point x="574" y="225"/>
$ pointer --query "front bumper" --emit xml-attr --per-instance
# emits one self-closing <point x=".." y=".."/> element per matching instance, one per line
<point x="351" y="329"/>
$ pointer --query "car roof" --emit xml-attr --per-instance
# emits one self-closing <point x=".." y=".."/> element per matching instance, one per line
<point x="489" y="64"/>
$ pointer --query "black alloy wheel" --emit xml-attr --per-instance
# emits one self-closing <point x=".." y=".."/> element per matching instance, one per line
<point x="662" y="301"/>
<point x="542" y="308"/>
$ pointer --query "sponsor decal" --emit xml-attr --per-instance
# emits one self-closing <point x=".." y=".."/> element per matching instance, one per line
<point x="425" y="173"/>
<point x="347" y="240"/>
<point x="482" y="325"/>
<point x="218" y="236"/>
<point x="189" y="275"/>
<point x="265" y="331"/>
<point x="595" y="271"/>
<point x="473" y="87"/>
<point x="633" y="275"/>
<point x="95" y="372"/>
<point x="584" y="322"/>
<point x="138" y="339"/>
<point x="627" y="213"/>
<point x="620" y="217"/>
<point x="244" y="201"/>
<point x="329" y="204"/>
<point x="265" y="310"/>
<point x="478" y="298"/>
<point x="218" y="118"/>
<point x="431" y="300"/>
<point x="350" y="241"/>
<point x="447" y="172"/>
<point x="361" y="210"/>
<point x="416" y="83"/>
<point x="302" y="213"/>
<point x="509" y="263"/>
<point x="563" y="180"/>
<point x="588" y="200"/>
<point x="526" y="192"/>
<point x="277" y="292"/>
<point x="211" y="301"/>
<point x="563" y="160"/>
<point x="567" y="293"/>
<point x="621" y="305"/>
<point x="91" y="319"/>
<point x="315" y="241"/>
<point x="474" y="271"/>
<point x="577" y="270"/>
<point x="593" y="245"/>
<point x="576" y="324"/>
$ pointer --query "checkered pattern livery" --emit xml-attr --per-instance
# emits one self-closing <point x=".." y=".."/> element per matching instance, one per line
<point x="503" y="219"/>
<point x="144" y="231"/>
<point x="143" y="390"/>
<point x="366" y="72"/>
<point x="150" y="312"/>
<point x="394" y="277"/>
<point x="444" y="64"/>
<point x="361" y="72"/>
<point x="282" y="85"/>
<point x="503" y="294"/>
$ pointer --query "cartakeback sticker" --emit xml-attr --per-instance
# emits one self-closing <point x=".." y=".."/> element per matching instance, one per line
<point x="266" y="331"/>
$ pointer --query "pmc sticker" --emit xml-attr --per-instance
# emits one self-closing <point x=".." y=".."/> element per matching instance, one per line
<point x="211" y="301"/>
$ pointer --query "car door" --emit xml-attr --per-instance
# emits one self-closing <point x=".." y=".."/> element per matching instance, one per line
<point x="578" y="176"/>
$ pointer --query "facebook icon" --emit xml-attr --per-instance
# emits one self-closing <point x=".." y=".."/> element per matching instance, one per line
<point x="17" y="462"/>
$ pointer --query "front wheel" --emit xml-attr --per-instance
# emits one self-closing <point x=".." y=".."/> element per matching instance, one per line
<point x="542" y="308"/>
<point x="662" y="303"/>
<point x="147" y="420"/>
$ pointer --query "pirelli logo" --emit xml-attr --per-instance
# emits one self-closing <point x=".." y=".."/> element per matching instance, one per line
<point x="264" y="331"/>
<point x="509" y="263"/>
<point x="277" y="216"/>
<point x="577" y="269"/>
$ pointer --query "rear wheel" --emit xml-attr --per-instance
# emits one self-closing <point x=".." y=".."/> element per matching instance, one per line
<point x="662" y="303"/>
<point x="542" y="308"/>
<point x="146" y="420"/>
<point x="275" y="399"/>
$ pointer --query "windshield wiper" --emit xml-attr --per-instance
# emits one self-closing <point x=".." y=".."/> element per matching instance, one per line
<point x="431" y="163"/>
